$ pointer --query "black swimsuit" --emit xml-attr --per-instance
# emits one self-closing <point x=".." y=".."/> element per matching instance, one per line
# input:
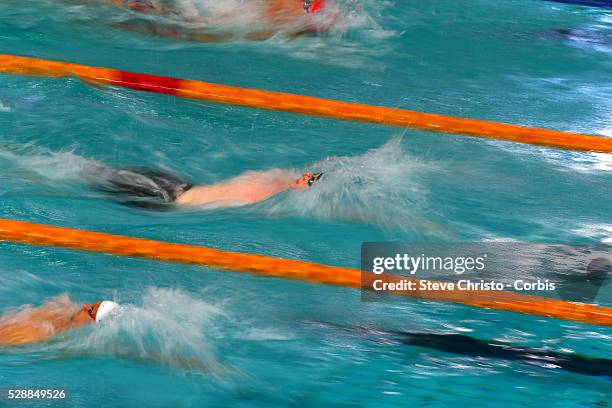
<point x="142" y="187"/>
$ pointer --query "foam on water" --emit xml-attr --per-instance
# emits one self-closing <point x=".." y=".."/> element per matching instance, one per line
<point x="54" y="166"/>
<point x="382" y="187"/>
<point x="601" y="232"/>
<point x="4" y="108"/>
<point x="239" y="14"/>
<point x="168" y="327"/>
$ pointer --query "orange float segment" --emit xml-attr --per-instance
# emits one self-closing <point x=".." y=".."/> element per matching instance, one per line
<point x="32" y="66"/>
<point x="308" y="105"/>
<point x="95" y="75"/>
<point x="507" y="301"/>
<point x="394" y="117"/>
<point x="36" y="234"/>
<point x="45" y="235"/>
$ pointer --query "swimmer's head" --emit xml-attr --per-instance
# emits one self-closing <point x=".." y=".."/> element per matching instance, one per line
<point x="93" y="312"/>
<point x="313" y="6"/>
<point x="307" y="180"/>
<point x="314" y="178"/>
<point x="104" y="309"/>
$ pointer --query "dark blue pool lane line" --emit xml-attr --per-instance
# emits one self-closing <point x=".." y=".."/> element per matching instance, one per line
<point x="593" y="3"/>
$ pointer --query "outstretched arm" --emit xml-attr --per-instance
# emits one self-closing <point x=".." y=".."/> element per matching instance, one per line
<point x="248" y="188"/>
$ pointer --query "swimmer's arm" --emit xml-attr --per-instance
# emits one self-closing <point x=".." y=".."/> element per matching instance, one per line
<point x="39" y="326"/>
<point x="231" y="193"/>
<point x="148" y="28"/>
<point x="20" y="334"/>
<point x="220" y="37"/>
<point x="200" y="195"/>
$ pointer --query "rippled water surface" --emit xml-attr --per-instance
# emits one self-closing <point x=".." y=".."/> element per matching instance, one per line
<point x="194" y="336"/>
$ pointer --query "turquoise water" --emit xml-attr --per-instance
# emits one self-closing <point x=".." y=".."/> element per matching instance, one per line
<point x="203" y="337"/>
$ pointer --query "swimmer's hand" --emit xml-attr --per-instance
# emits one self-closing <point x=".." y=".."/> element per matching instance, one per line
<point x="307" y="180"/>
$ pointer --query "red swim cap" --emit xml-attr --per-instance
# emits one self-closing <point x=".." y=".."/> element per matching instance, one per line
<point x="314" y="6"/>
<point x="317" y="6"/>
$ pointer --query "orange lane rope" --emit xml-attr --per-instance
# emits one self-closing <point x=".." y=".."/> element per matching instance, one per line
<point x="306" y="105"/>
<point x="46" y="235"/>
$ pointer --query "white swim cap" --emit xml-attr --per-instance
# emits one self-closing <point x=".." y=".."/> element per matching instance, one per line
<point x="105" y="308"/>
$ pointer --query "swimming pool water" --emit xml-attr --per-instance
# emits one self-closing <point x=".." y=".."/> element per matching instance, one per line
<point x="231" y="339"/>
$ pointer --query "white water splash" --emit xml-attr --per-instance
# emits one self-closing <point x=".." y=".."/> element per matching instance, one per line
<point x="43" y="164"/>
<point x="381" y="187"/>
<point x="168" y="327"/>
<point x="601" y="232"/>
<point x="4" y="108"/>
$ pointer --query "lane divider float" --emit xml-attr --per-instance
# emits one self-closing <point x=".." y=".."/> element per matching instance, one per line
<point x="307" y="105"/>
<point x="62" y="237"/>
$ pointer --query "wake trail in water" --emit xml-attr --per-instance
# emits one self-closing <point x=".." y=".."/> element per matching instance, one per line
<point x="43" y="164"/>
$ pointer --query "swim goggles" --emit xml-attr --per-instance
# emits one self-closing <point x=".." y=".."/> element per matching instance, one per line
<point x="314" y="178"/>
<point x="91" y="312"/>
